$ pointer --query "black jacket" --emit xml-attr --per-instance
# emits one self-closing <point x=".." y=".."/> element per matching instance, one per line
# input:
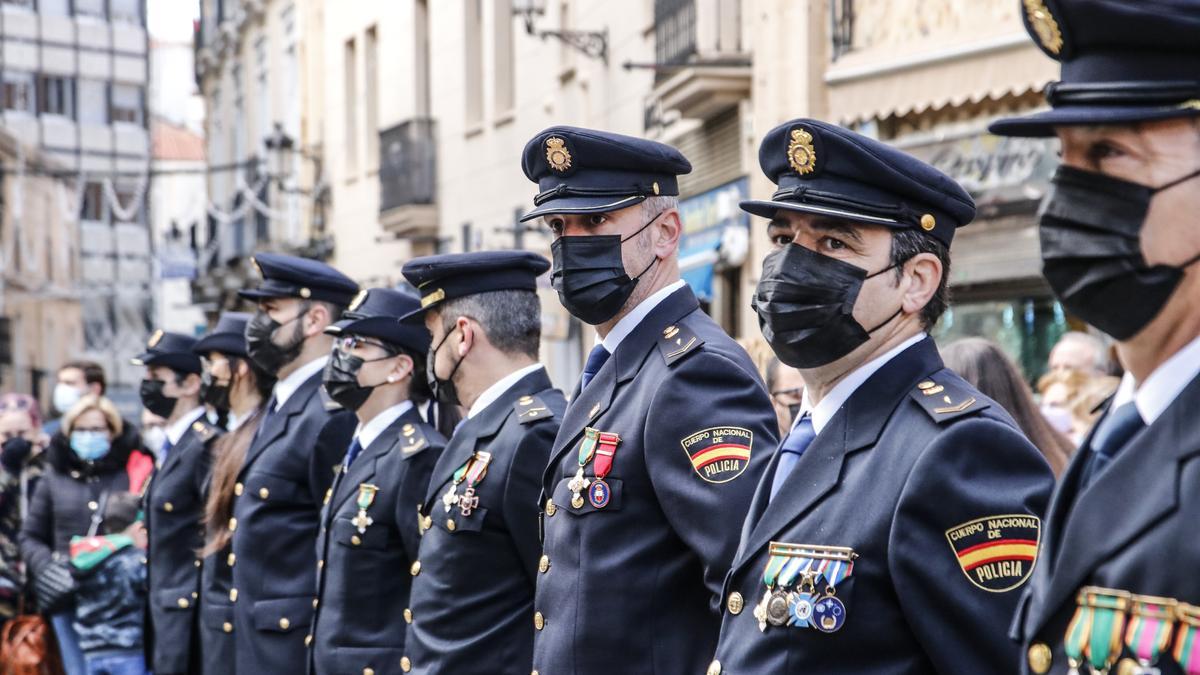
<point x="68" y="494"/>
<point x="111" y="601"/>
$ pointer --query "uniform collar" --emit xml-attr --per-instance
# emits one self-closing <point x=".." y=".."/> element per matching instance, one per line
<point x="634" y="318"/>
<point x="288" y="385"/>
<point x="1162" y="386"/>
<point x="369" y="432"/>
<point x="181" y="425"/>
<point x="494" y="392"/>
<point x="836" y="398"/>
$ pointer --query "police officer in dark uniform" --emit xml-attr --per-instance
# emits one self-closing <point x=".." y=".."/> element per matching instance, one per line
<point x="290" y="464"/>
<point x="1116" y="589"/>
<point x="174" y="502"/>
<point x="665" y="436"/>
<point x="471" y="609"/>
<point x="369" y="534"/>
<point x="902" y="511"/>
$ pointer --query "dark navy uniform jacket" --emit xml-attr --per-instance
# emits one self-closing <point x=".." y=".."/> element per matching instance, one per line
<point x="276" y="517"/>
<point x="632" y="586"/>
<point x="939" y="496"/>
<point x="1133" y="529"/>
<point x="363" y="584"/>
<point x="174" y="508"/>
<point x="472" y="593"/>
<point x="217" y="646"/>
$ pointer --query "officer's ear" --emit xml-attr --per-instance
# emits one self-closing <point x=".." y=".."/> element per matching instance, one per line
<point x="402" y="368"/>
<point x="317" y="318"/>
<point x="189" y="385"/>
<point x="924" y="272"/>
<point x="469" y="334"/>
<point x="670" y="228"/>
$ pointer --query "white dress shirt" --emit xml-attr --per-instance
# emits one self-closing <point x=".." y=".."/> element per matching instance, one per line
<point x="181" y="425"/>
<point x="497" y="390"/>
<point x="367" y="433"/>
<point x="1162" y="387"/>
<point x="288" y="385"/>
<point x="633" y="319"/>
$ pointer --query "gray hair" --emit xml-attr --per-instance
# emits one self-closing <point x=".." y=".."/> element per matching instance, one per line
<point x="1100" y="363"/>
<point x="511" y="319"/>
<point x="652" y="206"/>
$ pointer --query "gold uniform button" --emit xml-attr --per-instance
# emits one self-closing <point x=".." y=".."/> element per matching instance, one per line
<point x="196" y="563"/>
<point x="405" y="664"/>
<point x="231" y="559"/>
<point x="320" y="564"/>
<point x="539" y="621"/>
<point x="263" y="493"/>
<point x="428" y="522"/>
<point x="284" y="623"/>
<point x="183" y="603"/>
<point x="1128" y="666"/>
<point x="355" y="540"/>
<point x="1039" y="658"/>
<point x="233" y="595"/>
<point x="232" y="524"/>
<point x="407" y="615"/>
<point x="416" y="568"/>
<point x="735" y="603"/>
<point x="238" y="489"/>
<point x="551" y="509"/>
<point x="714" y="668"/>
<point x="168" y="507"/>
<point x="93" y="505"/>
<point x="307" y="640"/>
<point x="544" y="564"/>
<point x="195" y="595"/>
<point x="451" y="525"/>
<point x="368" y="671"/>
<point x="227" y="627"/>
<point x="315" y="603"/>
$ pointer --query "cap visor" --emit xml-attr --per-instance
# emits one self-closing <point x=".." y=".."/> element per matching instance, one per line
<point x="225" y="343"/>
<point x="768" y="209"/>
<point x="255" y="294"/>
<point x="583" y="205"/>
<point x="1042" y="123"/>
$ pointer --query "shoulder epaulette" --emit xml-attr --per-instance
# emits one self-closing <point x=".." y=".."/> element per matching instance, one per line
<point x="676" y="342"/>
<point x="205" y="431"/>
<point x="531" y="409"/>
<point x="945" y="401"/>
<point x="412" y="439"/>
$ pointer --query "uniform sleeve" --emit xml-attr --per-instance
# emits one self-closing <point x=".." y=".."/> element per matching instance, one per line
<point x="966" y="523"/>
<point x="709" y="433"/>
<point x="332" y="442"/>
<point x="37" y="531"/>
<point x="523" y="489"/>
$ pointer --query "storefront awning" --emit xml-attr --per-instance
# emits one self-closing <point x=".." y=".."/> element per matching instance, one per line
<point x="707" y="219"/>
<point x="883" y="88"/>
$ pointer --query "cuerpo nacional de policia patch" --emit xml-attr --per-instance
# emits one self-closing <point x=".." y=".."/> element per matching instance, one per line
<point x="997" y="553"/>
<point x="719" y="454"/>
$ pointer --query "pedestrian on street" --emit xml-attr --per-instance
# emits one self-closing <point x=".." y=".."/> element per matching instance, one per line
<point x="22" y="462"/>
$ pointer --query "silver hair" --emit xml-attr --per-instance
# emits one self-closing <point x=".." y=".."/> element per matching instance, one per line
<point x="652" y="206"/>
<point x="511" y="319"/>
<point x="1100" y="363"/>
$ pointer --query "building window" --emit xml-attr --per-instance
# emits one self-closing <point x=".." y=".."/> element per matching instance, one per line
<point x="127" y="104"/>
<point x="56" y="96"/>
<point x="350" y="81"/>
<point x="18" y="91"/>
<point x="92" y="8"/>
<point x="472" y="43"/>
<point x="421" y="56"/>
<point x="371" y="96"/>
<point x="93" y="203"/>
<point x="27" y="4"/>
<point x="128" y="11"/>
<point x="502" y="45"/>
<point x="92" y="101"/>
<point x="54" y="7"/>
<point x="262" y="94"/>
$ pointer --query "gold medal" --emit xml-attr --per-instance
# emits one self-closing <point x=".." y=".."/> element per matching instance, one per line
<point x="760" y="611"/>
<point x="777" y="607"/>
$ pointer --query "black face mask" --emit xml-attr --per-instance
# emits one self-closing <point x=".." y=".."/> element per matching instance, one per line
<point x="341" y="379"/>
<point x="444" y="391"/>
<point x="154" y="400"/>
<point x="268" y="355"/>
<point x="590" y="276"/>
<point x="214" y="393"/>
<point x="1090" y="227"/>
<point x="805" y="303"/>
<point x="14" y="452"/>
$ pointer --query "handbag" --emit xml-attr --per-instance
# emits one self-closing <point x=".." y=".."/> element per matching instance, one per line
<point x="54" y="586"/>
<point x="28" y="646"/>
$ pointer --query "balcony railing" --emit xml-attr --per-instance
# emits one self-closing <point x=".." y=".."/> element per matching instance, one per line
<point x="674" y="31"/>
<point x="408" y="165"/>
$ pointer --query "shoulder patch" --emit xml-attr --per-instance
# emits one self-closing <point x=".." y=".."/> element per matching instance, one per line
<point x="719" y="454"/>
<point x="997" y="553"/>
<point x="205" y="431"/>
<point x="412" y="440"/>
<point x="946" y="401"/>
<point x="531" y="409"/>
<point x="676" y="342"/>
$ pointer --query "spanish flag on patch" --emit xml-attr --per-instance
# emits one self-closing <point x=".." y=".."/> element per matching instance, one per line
<point x="719" y="454"/>
<point x="997" y="553"/>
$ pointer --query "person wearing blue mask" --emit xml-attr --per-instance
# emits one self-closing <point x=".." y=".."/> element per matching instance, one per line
<point x="93" y="456"/>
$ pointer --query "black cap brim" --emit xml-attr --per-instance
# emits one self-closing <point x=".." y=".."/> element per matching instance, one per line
<point x="183" y="363"/>
<point x="768" y="208"/>
<point x="223" y="343"/>
<point x="1042" y="124"/>
<point x="409" y="334"/>
<point x="570" y="205"/>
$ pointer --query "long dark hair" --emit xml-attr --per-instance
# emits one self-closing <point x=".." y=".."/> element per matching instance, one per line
<point x="229" y="453"/>
<point x="982" y="363"/>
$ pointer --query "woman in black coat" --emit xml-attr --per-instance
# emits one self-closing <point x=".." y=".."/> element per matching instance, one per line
<point x="81" y="469"/>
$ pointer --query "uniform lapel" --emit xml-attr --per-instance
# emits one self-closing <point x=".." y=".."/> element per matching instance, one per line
<point x="591" y="403"/>
<point x="855" y="426"/>
<point x="177" y="451"/>
<point x="363" y="468"/>
<point x="1136" y="477"/>
<point x="277" y="426"/>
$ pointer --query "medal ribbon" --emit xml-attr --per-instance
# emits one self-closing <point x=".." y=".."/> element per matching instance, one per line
<point x="606" y="452"/>
<point x="1104" y="642"/>
<point x="478" y="468"/>
<point x="775" y="564"/>
<point x="837" y="571"/>
<point x="366" y="496"/>
<point x="462" y="470"/>
<point x="1151" y="623"/>
<point x="588" y="447"/>
<point x="793" y="567"/>
<point x="1186" y="653"/>
<point x="1077" y="634"/>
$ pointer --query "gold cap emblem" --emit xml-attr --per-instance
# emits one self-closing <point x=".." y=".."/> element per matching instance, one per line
<point x="801" y="153"/>
<point x="1044" y="25"/>
<point x="155" y="338"/>
<point x="358" y="300"/>
<point x="557" y="155"/>
<point x="430" y="298"/>
<point x="305" y="293"/>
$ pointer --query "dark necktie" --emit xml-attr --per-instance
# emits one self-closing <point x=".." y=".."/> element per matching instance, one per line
<point x="352" y="453"/>
<point x="794" y="445"/>
<point x="164" y="451"/>
<point x="1114" y="432"/>
<point x="595" y="362"/>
